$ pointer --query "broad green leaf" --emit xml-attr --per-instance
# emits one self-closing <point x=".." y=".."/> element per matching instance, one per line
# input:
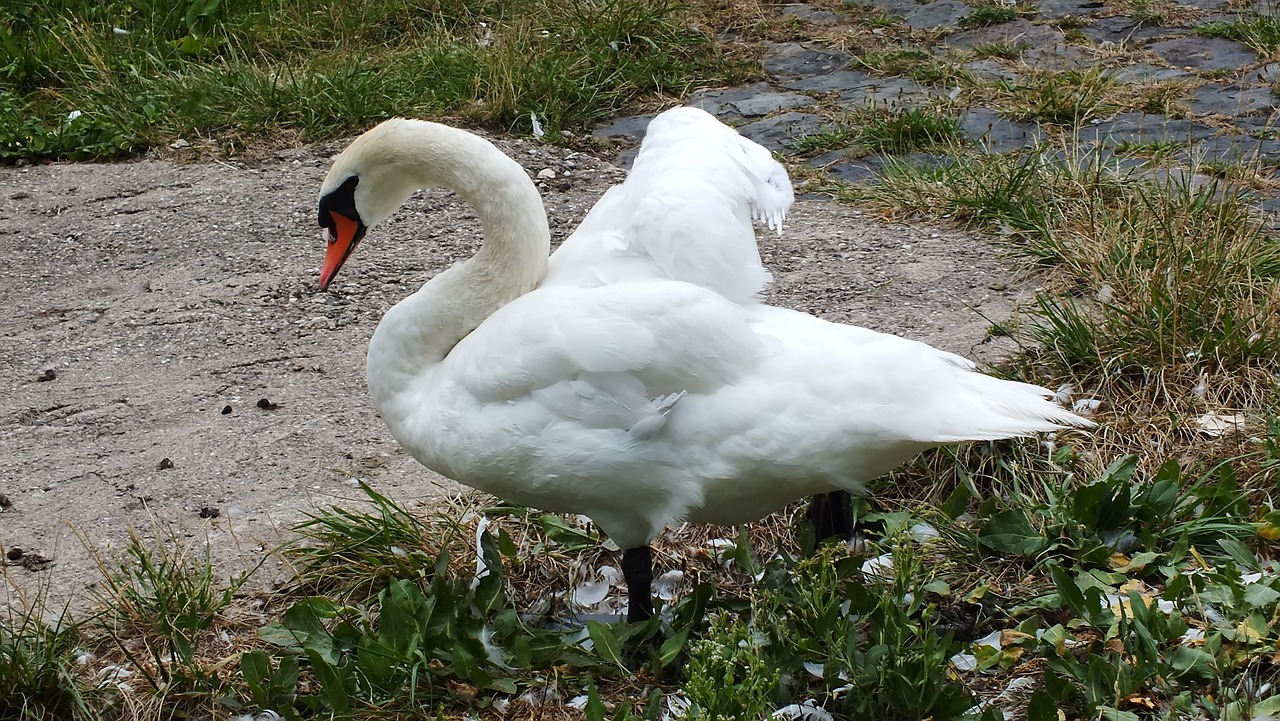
<point x="957" y="502"/>
<point x="1069" y="591"/>
<point x="1010" y="532"/>
<point x="1042" y="707"/>
<point x="606" y="644"/>
<point x="1192" y="663"/>
<point x="1239" y="553"/>
<point x="1260" y="595"/>
<point x="594" y="710"/>
<point x="332" y="681"/>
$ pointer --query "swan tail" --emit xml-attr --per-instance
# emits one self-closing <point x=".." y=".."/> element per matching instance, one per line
<point x="994" y="409"/>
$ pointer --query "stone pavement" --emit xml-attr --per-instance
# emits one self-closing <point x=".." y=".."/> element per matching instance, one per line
<point x="1214" y="98"/>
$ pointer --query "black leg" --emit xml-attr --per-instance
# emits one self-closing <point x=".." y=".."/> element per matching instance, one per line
<point x="832" y="516"/>
<point x="637" y="568"/>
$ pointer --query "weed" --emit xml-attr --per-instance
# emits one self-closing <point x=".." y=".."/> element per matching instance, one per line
<point x="37" y="668"/>
<point x="989" y="15"/>
<point x="818" y="143"/>
<point x="1155" y="149"/>
<point x="1262" y="31"/>
<point x="1070" y="97"/>
<point x="909" y="128"/>
<point x="170" y="603"/>
<point x="919" y="65"/>
<point x="997" y="50"/>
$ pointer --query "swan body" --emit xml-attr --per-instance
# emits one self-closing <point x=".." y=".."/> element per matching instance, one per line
<point x="635" y="376"/>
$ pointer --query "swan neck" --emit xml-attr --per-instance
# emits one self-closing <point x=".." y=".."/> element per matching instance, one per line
<point x="420" y="331"/>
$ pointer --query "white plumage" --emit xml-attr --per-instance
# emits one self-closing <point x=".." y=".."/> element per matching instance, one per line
<point x="637" y="378"/>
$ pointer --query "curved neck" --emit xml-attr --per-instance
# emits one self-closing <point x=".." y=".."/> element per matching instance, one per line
<point x="421" y="330"/>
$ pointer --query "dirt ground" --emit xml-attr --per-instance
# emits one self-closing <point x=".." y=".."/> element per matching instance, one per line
<point x="148" y="307"/>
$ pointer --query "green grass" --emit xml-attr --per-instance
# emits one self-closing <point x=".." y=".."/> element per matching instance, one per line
<point x="1261" y="32"/>
<point x="38" y="674"/>
<point x="201" y="68"/>
<point x="908" y="129"/>
<point x="919" y="65"/>
<point x="989" y="15"/>
<point x="1070" y="97"/>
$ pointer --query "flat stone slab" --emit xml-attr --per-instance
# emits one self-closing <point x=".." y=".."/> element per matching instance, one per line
<point x="632" y="127"/>
<point x="1144" y="73"/>
<point x="835" y="82"/>
<point x="1265" y="75"/>
<point x="866" y="169"/>
<point x="988" y="69"/>
<point x="1241" y="149"/>
<point x="1144" y="128"/>
<point x="1122" y="29"/>
<point x="986" y="128"/>
<point x="1058" y="57"/>
<point x="780" y="132"/>
<point x="1057" y="9"/>
<point x="748" y="101"/>
<point x="861" y="170"/>
<point x="1020" y="33"/>
<point x="1220" y="99"/>
<point x="1204" y="54"/>
<point x="794" y="60"/>
<point x="886" y="92"/>
<point x="923" y="15"/>
<point x="810" y="14"/>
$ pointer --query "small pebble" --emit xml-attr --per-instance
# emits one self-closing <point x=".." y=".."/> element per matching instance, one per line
<point x="4" y="501"/>
<point x="165" y="464"/>
<point x="267" y="405"/>
<point x="48" y="375"/>
<point x="208" y="512"/>
<point x="14" y="553"/>
<point x="226" y="410"/>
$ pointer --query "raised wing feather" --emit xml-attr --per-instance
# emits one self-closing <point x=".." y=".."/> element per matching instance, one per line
<point x="684" y="213"/>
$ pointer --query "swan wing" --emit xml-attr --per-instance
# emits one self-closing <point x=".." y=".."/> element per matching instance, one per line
<point x="684" y="212"/>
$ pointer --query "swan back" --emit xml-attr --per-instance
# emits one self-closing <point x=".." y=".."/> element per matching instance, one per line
<point x="684" y="213"/>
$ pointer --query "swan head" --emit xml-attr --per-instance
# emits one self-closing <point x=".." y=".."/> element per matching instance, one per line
<point x="369" y="180"/>
<point x="341" y="227"/>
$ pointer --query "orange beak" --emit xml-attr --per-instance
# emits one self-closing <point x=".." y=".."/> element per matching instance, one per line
<point x="349" y="232"/>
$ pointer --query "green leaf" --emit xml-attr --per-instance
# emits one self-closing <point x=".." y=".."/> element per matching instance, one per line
<point x="1239" y="553"/>
<point x="1069" y="591"/>
<point x="1260" y="595"/>
<point x="1121" y="470"/>
<point x="957" y="503"/>
<point x="672" y="646"/>
<point x="1192" y="663"/>
<point x="606" y="644"/>
<point x="332" y="680"/>
<point x="504" y="685"/>
<point x="594" y="710"/>
<point x="1042" y="707"/>
<point x="1010" y="532"/>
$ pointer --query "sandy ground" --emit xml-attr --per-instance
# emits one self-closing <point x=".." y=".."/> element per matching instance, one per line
<point x="148" y="307"/>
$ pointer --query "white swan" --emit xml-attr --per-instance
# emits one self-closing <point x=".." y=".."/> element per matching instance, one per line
<point x="636" y="378"/>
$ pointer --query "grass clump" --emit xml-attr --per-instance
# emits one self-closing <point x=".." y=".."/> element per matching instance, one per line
<point x="908" y="129"/>
<point x="1262" y="32"/>
<point x="987" y="15"/>
<point x="1069" y="97"/>
<point x="163" y="610"/>
<point x="142" y="72"/>
<point x="919" y="65"/>
<point x="38" y="679"/>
